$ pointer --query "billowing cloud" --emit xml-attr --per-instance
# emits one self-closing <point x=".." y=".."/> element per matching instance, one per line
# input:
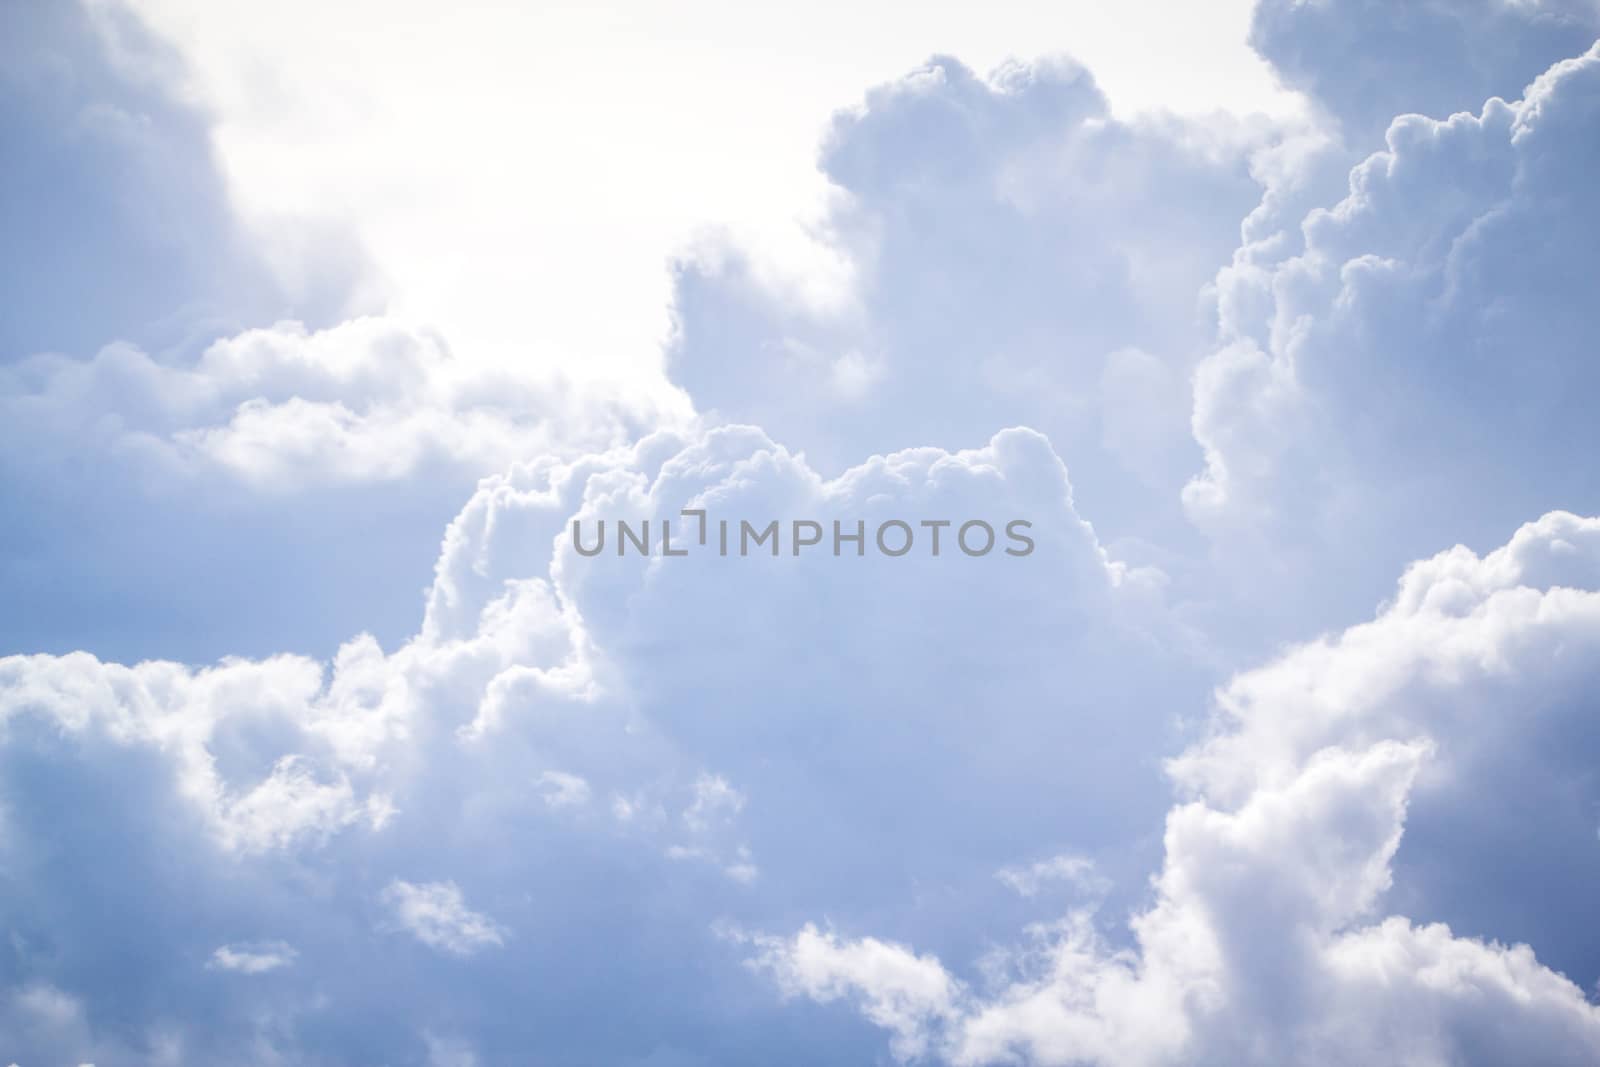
<point x="546" y="729"/>
<point x="172" y="489"/>
<point x="1271" y="939"/>
<point x="284" y="407"/>
<point x="1409" y="372"/>
<point x="586" y="784"/>
<point x="206" y="723"/>
<point x="1015" y="255"/>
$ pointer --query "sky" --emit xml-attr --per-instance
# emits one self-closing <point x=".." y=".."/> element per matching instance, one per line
<point x="1258" y="336"/>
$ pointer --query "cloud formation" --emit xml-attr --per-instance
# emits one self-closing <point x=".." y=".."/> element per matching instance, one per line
<point x="163" y="489"/>
<point x="1015" y="255"/>
<point x="1406" y="371"/>
<point x="285" y="407"/>
<point x="557" y="701"/>
<point x="551" y="790"/>
<point x="1270" y="940"/>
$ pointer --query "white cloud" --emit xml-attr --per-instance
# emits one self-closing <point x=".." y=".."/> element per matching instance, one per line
<point x="1268" y="941"/>
<point x="436" y="914"/>
<point x="1418" y="340"/>
<point x="286" y="407"/>
<point x="512" y="242"/>
<point x="715" y="801"/>
<point x="871" y="740"/>
<point x="252" y="958"/>
<point x="259" y="799"/>
<point x="1018" y="256"/>
<point x="904" y="993"/>
<point x="537" y="676"/>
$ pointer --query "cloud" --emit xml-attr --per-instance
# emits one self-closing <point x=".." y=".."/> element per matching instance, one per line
<point x="285" y="407"/>
<point x="899" y="991"/>
<point x="154" y="256"/>
<point x="610" y="754"/>
<point x="254" y="958"/>
<point x="562" y="790"/>
<point x="205" y="724"/>
<point x="1366" y="62"/>
<point x="169" y="490"/>
<point x="1419" y="340"/>
<point x="435" y="914"/>
<point x="1270" y="938"/>
<point x="538" y="680"/>
<point x="159" y="394"/>
<point x="1075" y="871"/>
<point x="1012" y="253"/>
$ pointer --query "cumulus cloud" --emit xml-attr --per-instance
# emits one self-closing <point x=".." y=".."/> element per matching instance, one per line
<point x="539" y="679"/>
<point x="169" y="489"/>
<point x="1406" y="372"/>
<point x="1270" y="939"/>
<point x="283" y="407"/>
<point x="159" y="395"/>
<point x="1014" y="252"/>
<point x="606" y="753"/>
<point x="221" y="731"/>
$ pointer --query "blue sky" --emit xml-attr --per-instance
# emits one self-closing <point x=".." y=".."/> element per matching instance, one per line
<point x="323" y="324"/>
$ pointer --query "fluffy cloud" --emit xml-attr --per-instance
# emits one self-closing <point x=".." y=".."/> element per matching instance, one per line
<point x="1015" y="256"/>
<point x="152" y="417"/>
<point x="546" y="731"/>
<point x="1270" y="940"/>
<point x="1410" y="371"/>
<point x="534" y="809"/>
<point x="901" y="992"/>
<point x="283" y="407"/>
<point x="206" y="723"/>
<point x="169" y="490"/>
